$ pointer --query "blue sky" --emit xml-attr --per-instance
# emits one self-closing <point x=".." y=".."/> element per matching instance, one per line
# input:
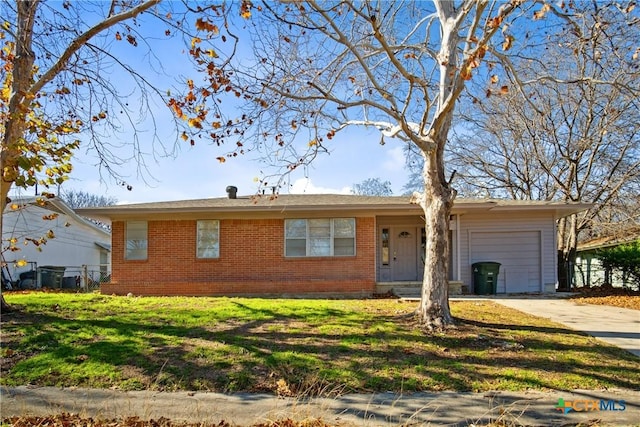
<point x="193" y="172"/>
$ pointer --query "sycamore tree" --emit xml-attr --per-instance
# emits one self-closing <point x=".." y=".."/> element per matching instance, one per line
<point x="399" y="67"/>
<point x="89" y="76"/>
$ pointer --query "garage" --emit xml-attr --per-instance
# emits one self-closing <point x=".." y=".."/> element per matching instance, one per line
<point x="519" y="252"/>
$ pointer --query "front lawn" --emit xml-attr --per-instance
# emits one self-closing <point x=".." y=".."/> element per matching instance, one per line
<point x="312" y="347"/>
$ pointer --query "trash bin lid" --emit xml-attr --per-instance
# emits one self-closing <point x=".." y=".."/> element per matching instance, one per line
<point x="486" y="267"/>
<point x="486" y="263"/>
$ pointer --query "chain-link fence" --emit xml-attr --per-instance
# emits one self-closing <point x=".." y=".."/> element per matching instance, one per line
<point x="80" y="278"/>
<point x="592" y="274"/>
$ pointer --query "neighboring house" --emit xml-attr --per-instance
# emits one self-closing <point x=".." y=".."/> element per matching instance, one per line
<point x="73" y="252"/>
<point x="589" y="270"/>
<point x="320" y="244"/>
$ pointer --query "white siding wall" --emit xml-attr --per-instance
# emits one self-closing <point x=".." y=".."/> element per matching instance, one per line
<point x="524" y="243"/>
<point x="74" y="243"/>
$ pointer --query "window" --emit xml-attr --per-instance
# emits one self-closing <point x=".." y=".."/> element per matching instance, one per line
<point x="344" y="236"/>
<point x="136" y="240"/>
<point x="207" y="239"/>
<point x="296" y="237"/>
<point x="385" y="246"/>
<point x="320" y="237"/>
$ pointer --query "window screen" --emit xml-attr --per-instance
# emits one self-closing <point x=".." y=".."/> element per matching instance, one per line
<point x="320" y="237"/>
<point x="136" y="240"/>
<point x="208" y="239"/>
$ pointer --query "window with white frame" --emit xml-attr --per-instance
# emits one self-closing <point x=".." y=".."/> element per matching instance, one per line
<point x="320" y="237"/>
<point x="136" y="240"/>
<point x="208" y="238"/>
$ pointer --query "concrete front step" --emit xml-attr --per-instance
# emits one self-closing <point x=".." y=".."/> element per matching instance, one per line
<point x="413" y="289"/>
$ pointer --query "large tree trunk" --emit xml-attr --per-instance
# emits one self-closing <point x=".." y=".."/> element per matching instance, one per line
<point x="19" y="101"/>
<point x="4" y="306"/>
<point x="20" y="98"/>
<point x="434" y="312"/>
<point x="567" y="244"/>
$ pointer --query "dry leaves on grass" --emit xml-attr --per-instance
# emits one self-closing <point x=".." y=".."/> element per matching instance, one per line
<point x="607" y="295"/>
<point x="632" y="302"/>
<point x="67" y="420"/>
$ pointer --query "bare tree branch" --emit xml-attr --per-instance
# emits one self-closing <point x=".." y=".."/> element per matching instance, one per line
<point x="81" y="40"/>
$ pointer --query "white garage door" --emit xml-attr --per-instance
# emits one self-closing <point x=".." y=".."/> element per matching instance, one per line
<point x="519" y="254"/>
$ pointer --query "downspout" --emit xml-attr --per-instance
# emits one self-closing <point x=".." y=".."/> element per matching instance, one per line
<point x="555" y="245"/>
<point x="459" y="270"/>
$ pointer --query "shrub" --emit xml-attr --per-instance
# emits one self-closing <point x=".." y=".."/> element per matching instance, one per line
<point x="625" y="259"/>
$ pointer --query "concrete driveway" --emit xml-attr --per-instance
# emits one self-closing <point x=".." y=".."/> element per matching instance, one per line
<point x="617" y="326"/>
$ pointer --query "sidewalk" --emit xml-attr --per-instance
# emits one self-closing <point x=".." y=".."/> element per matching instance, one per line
<point x="372" y="410"/>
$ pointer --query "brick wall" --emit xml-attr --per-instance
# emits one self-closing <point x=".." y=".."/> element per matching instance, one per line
<point x="251" y="262"/>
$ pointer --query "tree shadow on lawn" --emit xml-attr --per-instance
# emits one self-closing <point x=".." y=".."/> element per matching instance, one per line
<point x="287" y="354"/>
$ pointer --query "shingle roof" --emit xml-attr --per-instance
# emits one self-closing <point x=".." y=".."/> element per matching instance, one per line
<point x="311" y="202"/>
<point x="627" y="235"/>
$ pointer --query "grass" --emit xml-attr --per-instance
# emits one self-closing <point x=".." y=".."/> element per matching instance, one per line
<point x="298" y="347"/>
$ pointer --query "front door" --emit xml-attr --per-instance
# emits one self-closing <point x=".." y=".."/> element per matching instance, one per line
<point x="404" y="253"/>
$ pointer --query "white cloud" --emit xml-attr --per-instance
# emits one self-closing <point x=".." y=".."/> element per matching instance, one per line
<point x="394" y="160"/>
<point x="305" y="186"/>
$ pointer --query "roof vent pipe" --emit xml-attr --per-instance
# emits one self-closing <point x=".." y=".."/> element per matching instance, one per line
<point x="232" y="192"/>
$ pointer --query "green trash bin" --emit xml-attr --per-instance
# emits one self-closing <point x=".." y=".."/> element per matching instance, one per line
<point x="51" y="276"/>
<point x="485" y="277"/>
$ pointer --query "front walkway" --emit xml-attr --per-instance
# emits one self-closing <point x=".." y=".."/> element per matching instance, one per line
<point x="616" y="326"/>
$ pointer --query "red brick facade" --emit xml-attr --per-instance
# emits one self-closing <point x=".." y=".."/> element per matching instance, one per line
<point x="251" y="262"/>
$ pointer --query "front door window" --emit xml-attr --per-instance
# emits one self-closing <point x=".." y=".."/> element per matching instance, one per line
<point x="385" y="247"/>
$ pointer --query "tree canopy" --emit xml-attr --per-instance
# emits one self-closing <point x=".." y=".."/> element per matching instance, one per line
<point x="89" y="76"/>
<point x="373" y="187"/>
<point x="59" y="93"/>
<point x="82" y="199"/>
<point x="567" y="133"/>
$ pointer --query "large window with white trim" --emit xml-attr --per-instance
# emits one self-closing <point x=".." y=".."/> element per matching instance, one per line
<point x="208" y="238"/>
<point x="320" y="237"/>
<point x="136" y="240"/>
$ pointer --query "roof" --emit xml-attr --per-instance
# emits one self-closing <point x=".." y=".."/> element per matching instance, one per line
<point x="289" y="203"/>
<point x="627" y="235"/>
<point x="57" y="205"/>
